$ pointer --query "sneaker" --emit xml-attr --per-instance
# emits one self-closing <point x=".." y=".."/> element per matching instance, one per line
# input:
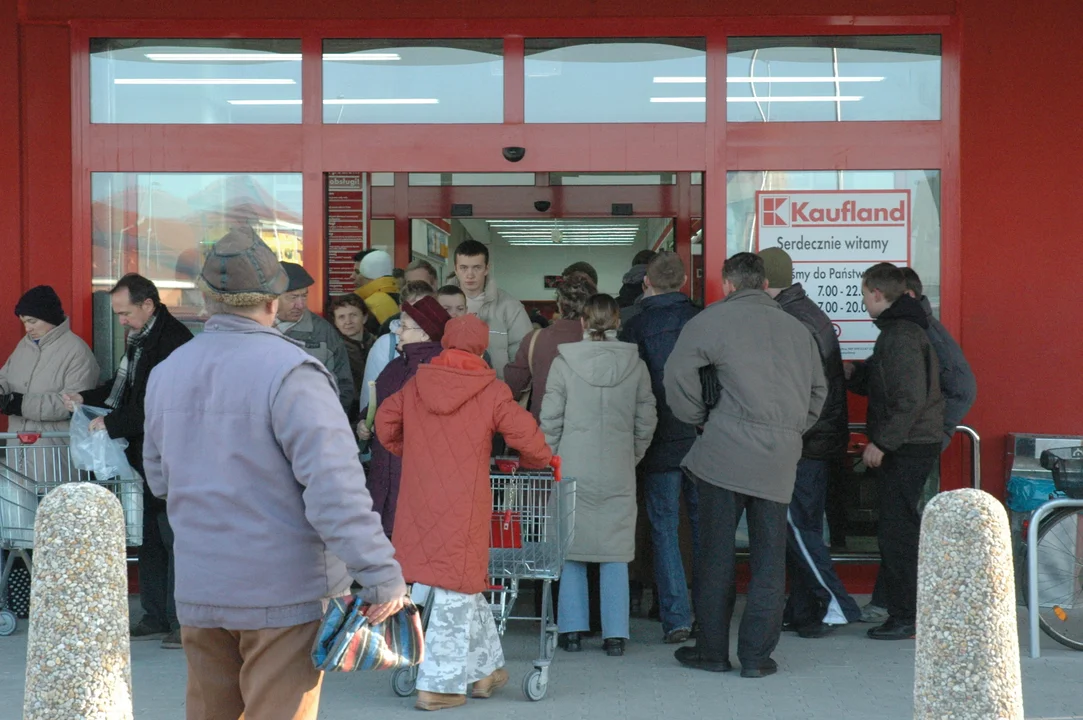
<point x="614" y="647"/>
<point x="690" y="657"/>
<point x="677" y="637"/>
<point x="874" y="614"/>
<point x="893" y="630"/>
<point x="485" y="687"/>
<point x="146" y="631"/>
<point x="759" y="670"/>
<point x="172" y="641"/>
<point x="438" y="701"/>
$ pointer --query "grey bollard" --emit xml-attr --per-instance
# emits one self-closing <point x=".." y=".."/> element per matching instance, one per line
<point x="78" y="665"/>
<point x="967" y="663"/>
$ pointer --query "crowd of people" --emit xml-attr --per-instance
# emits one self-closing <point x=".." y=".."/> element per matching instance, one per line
<point x="288" y="456"/>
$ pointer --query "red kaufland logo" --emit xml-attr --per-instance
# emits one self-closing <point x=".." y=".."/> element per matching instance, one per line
<point x="771" y="211"/>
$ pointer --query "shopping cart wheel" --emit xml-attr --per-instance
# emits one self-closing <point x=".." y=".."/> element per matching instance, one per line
<point x="8" y="623"/>
<point x="404" y="681"/>
<point x="534" y="685"/>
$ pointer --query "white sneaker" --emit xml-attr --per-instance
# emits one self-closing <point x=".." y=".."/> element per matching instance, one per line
<point x="874" y="614"/>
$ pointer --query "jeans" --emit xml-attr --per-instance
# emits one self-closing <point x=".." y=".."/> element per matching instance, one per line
<point x="663" y="494"/>
<point x="574" y="613"/>
<point x="761" y="624"/>
<point x="816" y="593"/>
<point x="902" y="484"/>
<point x="156" y="571"/>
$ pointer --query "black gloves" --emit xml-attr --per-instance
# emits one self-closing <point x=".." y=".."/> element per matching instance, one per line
<point x="11" y="404"/>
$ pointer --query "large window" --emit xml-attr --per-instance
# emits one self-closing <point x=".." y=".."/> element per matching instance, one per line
<point x="616" y="80"/>
<point x="876" y="77"/>
<point x="413" y="81"/>
<point x="835" y="225"/>
<point x="195" y="81"/>
<point x="162" y="225"/>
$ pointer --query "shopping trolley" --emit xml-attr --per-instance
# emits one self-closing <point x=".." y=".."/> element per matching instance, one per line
<point x="531" y="528"/>
<point x="28" y="471"/>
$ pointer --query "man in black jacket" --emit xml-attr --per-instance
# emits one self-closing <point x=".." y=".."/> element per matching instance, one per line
<point x="153" y="334"/>
<point x="818" y="600"/>
<point x="663" y="312"/>
<point x="905" y="427"/>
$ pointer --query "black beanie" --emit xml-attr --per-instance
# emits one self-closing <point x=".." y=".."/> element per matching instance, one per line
<point x="41" y="303"/>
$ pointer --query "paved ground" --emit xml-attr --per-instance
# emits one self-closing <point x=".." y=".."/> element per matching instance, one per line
<point x="841" y="677"/>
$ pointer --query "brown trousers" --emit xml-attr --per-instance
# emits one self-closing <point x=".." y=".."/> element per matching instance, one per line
<point x="252" y="674"/>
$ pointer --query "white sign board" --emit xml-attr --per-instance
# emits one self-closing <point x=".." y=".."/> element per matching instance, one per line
<point x="833" y="237"/>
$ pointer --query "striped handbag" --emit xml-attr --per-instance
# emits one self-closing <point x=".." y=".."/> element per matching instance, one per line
<point x="347" y="642"/>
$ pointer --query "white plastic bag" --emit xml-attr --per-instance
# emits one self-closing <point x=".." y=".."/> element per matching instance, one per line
<point x="96" y="451"/>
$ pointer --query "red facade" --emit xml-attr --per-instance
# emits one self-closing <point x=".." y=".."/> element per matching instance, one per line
<point x="1007" y="148"/>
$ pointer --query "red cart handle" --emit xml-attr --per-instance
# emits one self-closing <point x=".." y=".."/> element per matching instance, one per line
<point x="555" y="464"/>
<point x="29" y="438"/>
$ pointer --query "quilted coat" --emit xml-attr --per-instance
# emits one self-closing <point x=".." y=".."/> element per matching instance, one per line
<point x="442" y="424"/>
<point x="599" y="417"/>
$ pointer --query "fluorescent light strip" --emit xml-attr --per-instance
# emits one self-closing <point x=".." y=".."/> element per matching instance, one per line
<point x="268" y="57"/>
<point x="204" y="81"/>
<point x="768" y="99"/>
<point x="345" y="101"/>
<point x="569" y="243"/>
<point x="678" y="99"/>
<point x="692" y="79"/>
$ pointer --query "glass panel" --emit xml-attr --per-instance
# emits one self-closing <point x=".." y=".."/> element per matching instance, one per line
<point x="162" y="225"/>
<point x="634" y="178"/>
<point x="879" y="77"/>
<point x="195" y="81"/>
<point x="474" y="179"/>
<point x="382" y="180"/>
<point x="619" y="80"/>
<point x="835" y="225"/>
<point x="413" y="81"/>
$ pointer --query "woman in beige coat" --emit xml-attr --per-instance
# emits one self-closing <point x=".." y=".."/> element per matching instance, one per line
<point x="48" y="362"/>
<point x="598" y="415"/>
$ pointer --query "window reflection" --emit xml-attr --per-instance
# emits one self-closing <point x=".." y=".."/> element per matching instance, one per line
<point x="882" y="77"/>
<point x="616" y="80"/>
<point x="413" y="81"/>
<point x="163" y="225"/>
<point x="195" y="81"/>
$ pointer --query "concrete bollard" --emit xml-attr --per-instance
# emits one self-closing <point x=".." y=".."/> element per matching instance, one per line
<point x="967" y="663"/>
<point x="78" y="665"/>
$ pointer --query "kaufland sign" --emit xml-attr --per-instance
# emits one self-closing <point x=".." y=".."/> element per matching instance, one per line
<point x="843" y="225"/>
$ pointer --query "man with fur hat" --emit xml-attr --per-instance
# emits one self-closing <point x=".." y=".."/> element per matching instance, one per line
<point x="442" y="424"/>
<point x="319" y="337"/>
<point x="246" y="439"/>
<point x="818" y="601"/>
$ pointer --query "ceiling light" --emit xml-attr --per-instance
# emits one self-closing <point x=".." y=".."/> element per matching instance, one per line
<point x="797" y="98"/>
<point x="361" y="57"/>
<point x="678" y="100"/>
<point x="825" y="79"/>
<point x="382" y="101"/>
<point x="204" y="81"/>
<point x="680" y="80"/>
<point x="224" y="57"/>
<point x="264" y="102"/>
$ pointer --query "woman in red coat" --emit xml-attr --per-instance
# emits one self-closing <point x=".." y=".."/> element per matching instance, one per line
<point x="442" y="423"/>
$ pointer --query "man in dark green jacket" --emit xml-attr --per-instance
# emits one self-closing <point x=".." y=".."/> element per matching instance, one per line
<point x="905" y="426"/>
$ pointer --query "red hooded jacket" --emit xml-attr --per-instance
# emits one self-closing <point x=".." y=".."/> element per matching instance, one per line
<point x="442" y="424"/>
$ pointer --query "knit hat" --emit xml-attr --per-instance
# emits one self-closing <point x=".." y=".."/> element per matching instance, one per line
<point x="42" y="303"/>
<point x="778" y="267"/>
<point x="375" y="264"/>
<point x="429" y="315"/>
<point x="299" y="277"/>
<point x="468" y="333"/>
<point x="635" y="275"/>
<point x="241" y="270"/>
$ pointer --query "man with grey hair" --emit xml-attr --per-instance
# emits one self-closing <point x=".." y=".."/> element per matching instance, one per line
<point x="768" y="391"/>
<point x="246" y="439"/>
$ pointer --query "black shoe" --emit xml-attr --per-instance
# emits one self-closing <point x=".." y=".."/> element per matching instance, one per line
<point x="677" y="637"/>
<point x="893" y="630"/>
<point x="614" y="647"/>
<point x="571" y="642"/>
<point x="791" y="627"/>
<point x="816" y="630"/>
<point x="761" y="670"/>
<point x="144" y="630"/>
<point x="690" y="657"/>
<point x="694" y="632"/>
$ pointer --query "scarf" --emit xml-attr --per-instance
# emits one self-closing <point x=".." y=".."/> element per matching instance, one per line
<point x="130" y="361"/>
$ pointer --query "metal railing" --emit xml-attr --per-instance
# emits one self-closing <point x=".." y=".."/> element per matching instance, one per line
<point x="975" y="449"/>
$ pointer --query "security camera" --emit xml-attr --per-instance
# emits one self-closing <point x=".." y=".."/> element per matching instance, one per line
<point x="542" y="205"/>
<point x="514" y="154"/>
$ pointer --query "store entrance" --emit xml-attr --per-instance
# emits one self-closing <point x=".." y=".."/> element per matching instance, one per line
<point x="535" y="224"/>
